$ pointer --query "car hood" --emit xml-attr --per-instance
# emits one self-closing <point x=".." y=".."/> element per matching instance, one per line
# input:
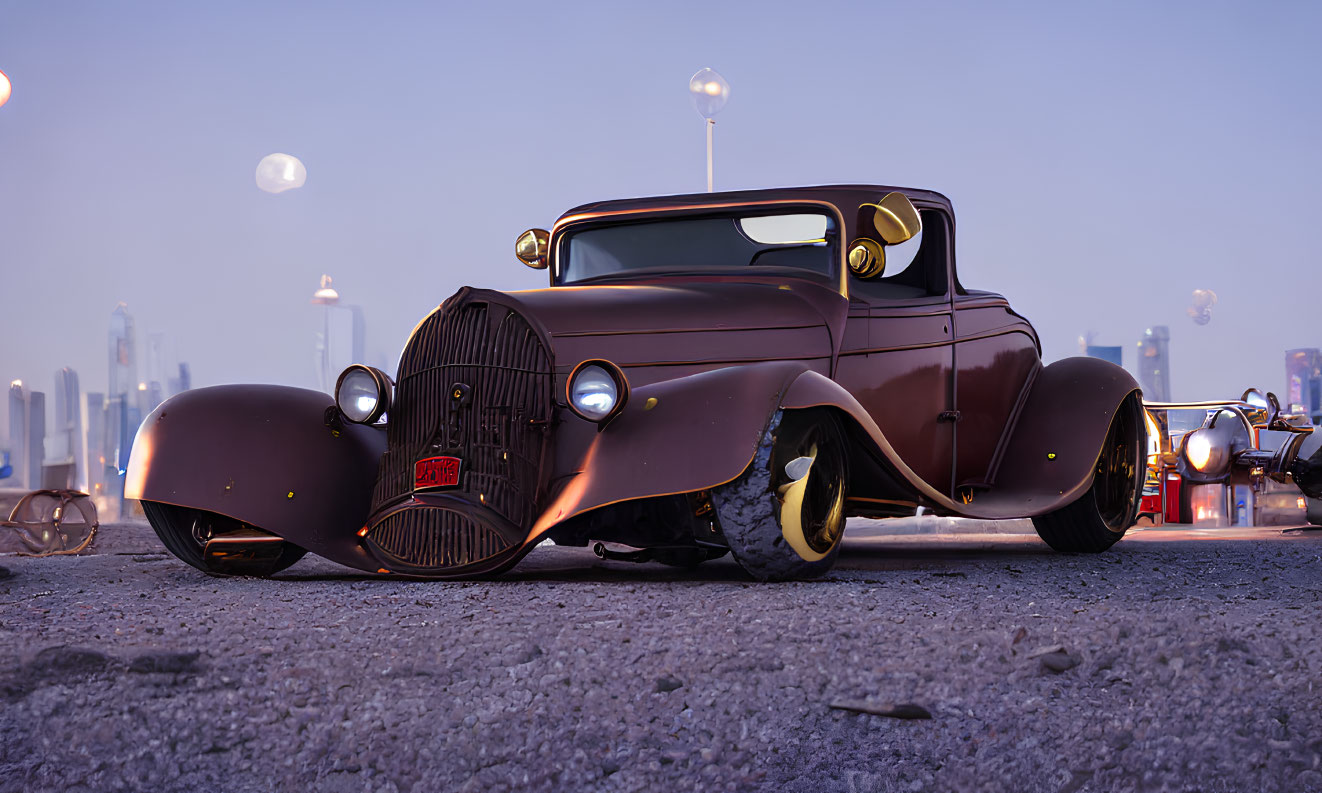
<point x="689" y="322"/>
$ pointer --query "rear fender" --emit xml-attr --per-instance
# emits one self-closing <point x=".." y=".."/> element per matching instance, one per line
<point x="1052" y="451"/>
<point x="1050" y="454"/>
<point x="264" y="455"/>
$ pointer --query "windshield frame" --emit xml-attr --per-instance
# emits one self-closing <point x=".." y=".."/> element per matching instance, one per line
<point x="836" y="279"/>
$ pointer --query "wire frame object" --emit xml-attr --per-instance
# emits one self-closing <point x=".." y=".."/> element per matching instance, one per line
<point x="48" y="523"/>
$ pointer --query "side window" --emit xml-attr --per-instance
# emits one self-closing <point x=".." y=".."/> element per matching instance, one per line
<point x="916" y="268"/>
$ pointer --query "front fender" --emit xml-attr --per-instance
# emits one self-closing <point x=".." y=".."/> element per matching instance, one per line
<point x="264" y="455"/>
<point x="676" y="436"/>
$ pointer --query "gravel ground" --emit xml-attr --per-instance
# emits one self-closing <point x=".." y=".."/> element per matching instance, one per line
<point x="1175" y="661"/>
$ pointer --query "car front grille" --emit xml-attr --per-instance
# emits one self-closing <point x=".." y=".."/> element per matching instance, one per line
<point x="431" y="539"/>
<point x="499" y="429"/>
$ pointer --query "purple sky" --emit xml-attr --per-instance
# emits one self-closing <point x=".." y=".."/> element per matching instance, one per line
<point x="1104" y="159"/>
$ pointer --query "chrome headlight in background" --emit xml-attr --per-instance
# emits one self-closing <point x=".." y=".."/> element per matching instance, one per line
<point x="363" y="394"/>
<point x="597" y="390"/>
<point x="1206" y="451"/>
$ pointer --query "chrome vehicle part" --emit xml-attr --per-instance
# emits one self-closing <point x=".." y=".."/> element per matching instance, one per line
<point x="363" y="393"/>
<point x="532" y="248"/>
<point x="597" y="391"/>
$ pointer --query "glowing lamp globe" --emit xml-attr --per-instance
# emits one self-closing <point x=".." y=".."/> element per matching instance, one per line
<point x="710" y="92"/>
<point x="5" y="88"/>
<point x="277" y="173"/>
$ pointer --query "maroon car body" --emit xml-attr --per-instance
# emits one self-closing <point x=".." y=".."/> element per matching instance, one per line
<point x="939" y="390"/>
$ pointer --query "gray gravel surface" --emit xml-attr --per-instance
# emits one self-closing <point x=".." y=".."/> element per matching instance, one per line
<point x="1175" y="661"/>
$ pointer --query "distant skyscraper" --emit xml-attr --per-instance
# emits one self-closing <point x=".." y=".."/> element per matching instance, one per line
<point x="124" y="402"/>
<point x="1303" y="380"/>
<point x="27" y="436"/>
<point x="1112" y="354"/>
<point x="36" y="440"/>
<point x="68" y="444"/>
<point x="1154" y="364"/>
<point x="96" y="446"/>
<point x="123" y="352"/>
<point x="18" y="434"/>
<point x="180" y="383"/>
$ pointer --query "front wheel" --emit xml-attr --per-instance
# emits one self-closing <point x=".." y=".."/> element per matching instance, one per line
<point x="1101" y="516"/>
<point x="784" y="516"/>
<point x="185" y="532"/>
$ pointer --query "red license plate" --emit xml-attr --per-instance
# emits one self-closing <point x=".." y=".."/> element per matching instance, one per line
<point x="436" y="472"/>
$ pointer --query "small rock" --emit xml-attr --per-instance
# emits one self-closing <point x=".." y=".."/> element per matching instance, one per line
<point x="667" y="684"/>
<point x="69" y="660"/>
<point x="1052" y="648"/>
<point x="5" y="573"/>
<point x="1058" y="662"/>
<point x="905" y="710"/>
<point x="171" y="663"/>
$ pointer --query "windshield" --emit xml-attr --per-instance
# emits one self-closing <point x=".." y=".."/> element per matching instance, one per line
<point x="802" y="243"/>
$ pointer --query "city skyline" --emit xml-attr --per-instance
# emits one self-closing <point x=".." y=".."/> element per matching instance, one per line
<point x="1096" y="191"/>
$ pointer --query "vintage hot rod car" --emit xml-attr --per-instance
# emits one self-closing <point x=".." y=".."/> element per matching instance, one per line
<point x="729" y="372"/>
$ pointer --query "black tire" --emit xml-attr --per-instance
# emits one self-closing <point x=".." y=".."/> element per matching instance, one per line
<point x="750" y="509"/>
<point x="1101" y="516"/>
<point x="1313" y="510"/>
<point x="181" y="529"/>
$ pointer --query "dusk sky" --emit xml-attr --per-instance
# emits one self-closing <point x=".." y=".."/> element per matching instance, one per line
<point x="1104" y="159"/>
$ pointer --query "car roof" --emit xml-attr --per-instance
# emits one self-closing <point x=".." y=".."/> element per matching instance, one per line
<point x="846" y="197"/>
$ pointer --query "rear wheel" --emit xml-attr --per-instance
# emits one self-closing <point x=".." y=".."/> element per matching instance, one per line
<point x="185" y="532"/>
<point x="784" y="516"/>
<point x="1102" y="515"/>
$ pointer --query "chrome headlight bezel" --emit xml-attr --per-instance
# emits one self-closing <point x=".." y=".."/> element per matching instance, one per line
<point x="380" y="381"/>
<point x="617" y="379"/>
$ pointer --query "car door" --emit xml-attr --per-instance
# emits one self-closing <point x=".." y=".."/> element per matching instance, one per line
<point x="996" y="354"/>
<point x="902" y="375"/>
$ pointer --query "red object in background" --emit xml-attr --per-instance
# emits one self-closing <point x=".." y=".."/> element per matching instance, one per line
<point x="1151" y="505"/>
<point x="436" y="472"/>
<point x="1170" y="486"/>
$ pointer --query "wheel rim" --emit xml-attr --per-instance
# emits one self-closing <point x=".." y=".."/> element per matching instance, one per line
<point x="1115" y="481"/>
<point x="811" y="506"/>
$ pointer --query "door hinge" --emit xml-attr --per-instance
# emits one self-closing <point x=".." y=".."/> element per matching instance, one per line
<point x="949" y="415"/>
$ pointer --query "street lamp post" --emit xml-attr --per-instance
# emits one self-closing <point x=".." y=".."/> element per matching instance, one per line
<point x="710" y="92"/>
<point x="325" y="296"/>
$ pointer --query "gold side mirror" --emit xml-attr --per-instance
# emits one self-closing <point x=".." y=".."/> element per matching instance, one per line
<point x="867" y="258"/>
<point x="895" y="218"/>
<point x="533" y="248"/>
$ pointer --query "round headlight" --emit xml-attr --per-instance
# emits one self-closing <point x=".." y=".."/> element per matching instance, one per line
<point x="1205" y="452"/>
<point x="362" y="394"/>
<point x="597" y="390"/>
<point x="1199" y="450"/>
